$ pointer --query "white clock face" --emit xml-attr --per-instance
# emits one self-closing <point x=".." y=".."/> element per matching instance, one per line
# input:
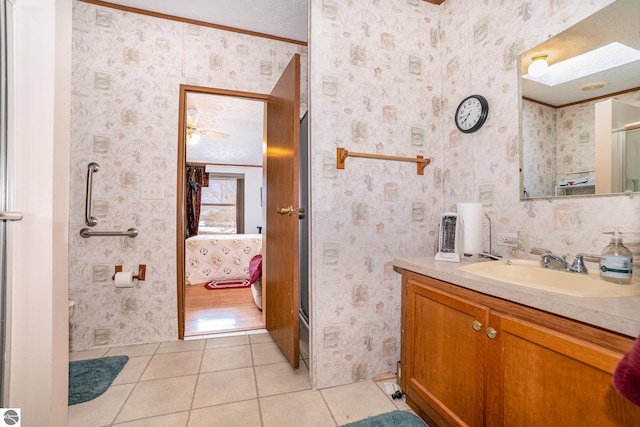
<point x="469" y="113"/>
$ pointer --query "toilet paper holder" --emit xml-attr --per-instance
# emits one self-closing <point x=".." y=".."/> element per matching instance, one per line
<point x="142" y="271"/>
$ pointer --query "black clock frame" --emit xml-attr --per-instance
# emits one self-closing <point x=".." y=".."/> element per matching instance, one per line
<point x="484" y="105"/>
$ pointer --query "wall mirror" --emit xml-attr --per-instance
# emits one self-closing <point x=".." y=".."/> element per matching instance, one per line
<point x="567" y="148"/>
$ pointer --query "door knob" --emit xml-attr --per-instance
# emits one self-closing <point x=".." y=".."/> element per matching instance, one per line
<point x="290" y="210"/>
<point x="476" y="325"/>
<point x="492" y="333"/>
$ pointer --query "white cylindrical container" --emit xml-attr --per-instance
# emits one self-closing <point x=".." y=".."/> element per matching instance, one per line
<point x="471" y="213"/>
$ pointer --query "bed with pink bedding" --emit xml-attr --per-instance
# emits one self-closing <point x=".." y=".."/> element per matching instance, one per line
<point x="220" y="257"/>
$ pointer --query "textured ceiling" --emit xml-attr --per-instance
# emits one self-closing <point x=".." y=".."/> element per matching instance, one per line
<point x="616" y="22"/>
<point x="280" y="18"/>
<point x="241" y="119"/>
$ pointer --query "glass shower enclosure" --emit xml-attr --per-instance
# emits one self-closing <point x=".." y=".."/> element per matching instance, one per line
<point x="6" y="216"/>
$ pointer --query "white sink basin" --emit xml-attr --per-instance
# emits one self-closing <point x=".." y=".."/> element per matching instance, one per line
<point x="531" y="274"/>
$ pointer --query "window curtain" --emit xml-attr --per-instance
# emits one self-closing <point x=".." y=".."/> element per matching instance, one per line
<point x="196" y="179"/>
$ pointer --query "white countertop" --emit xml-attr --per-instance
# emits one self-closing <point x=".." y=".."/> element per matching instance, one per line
<point x="620" y="315"/>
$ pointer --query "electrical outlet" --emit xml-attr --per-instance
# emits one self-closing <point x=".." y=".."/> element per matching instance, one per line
<point x="508" y="239"/>
<point x="151" y="191"/>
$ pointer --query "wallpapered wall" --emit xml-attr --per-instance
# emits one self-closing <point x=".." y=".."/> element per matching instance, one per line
<point x="386" y="77"/>
<point x="127" y="71"/>
<point x="375" y="86"/>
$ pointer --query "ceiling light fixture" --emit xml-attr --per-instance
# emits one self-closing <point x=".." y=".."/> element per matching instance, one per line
<point x="538" y="66"/>
<point x="192" y="137"/>
<point x="593" y="86"/>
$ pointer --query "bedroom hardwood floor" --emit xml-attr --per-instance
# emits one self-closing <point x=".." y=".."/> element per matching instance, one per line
<point x="220" y="310"/>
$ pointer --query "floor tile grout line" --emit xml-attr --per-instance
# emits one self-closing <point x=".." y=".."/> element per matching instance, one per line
<point x="333" y="417"/>
<point x="255" y="381"/>
<point x="150" y="417"/>
<point x="195" y="387"/>
<point x="154" y="415"/>
<point x="124" y="402"/>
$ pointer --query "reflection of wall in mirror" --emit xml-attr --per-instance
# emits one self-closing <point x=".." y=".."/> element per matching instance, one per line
<point x="612" y="170"/>
<point x="538" y="149"/>
<point x="560" y="142"/>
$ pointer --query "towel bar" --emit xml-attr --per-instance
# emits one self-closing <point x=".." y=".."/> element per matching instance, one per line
<point x="342" y="154"/>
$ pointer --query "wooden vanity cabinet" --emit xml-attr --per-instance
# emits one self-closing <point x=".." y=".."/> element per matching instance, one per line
<point x="469" y="359"/>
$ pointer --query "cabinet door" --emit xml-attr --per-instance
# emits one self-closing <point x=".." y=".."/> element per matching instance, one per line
<point x="444" y="355"/>
<point x="539" y="377"/>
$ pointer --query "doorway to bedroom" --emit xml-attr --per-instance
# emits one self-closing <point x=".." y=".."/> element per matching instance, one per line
<point x="223" y="211"/>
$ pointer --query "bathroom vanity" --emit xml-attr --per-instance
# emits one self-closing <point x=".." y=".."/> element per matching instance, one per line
<point x="480" y="352"/>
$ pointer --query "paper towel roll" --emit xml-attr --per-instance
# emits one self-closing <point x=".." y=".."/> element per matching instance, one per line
<point x="124" y="279"/>
<point x="472" y="227"/>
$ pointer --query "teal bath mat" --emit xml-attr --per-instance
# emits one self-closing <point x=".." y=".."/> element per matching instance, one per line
<point x="390" y="419"/>
<point x="90" y="378"/>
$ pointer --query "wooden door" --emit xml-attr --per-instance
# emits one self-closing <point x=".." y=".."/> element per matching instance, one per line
<point x="541" y="377"/>
<point x="281" y="255"/>
<point x="444" y="354"/>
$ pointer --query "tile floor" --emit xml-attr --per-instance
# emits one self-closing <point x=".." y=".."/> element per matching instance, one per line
<point x="240" y="380"/>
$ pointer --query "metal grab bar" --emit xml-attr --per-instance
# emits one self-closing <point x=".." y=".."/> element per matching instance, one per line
<point x="88" y="218"/>
<point x="87" y="232"/>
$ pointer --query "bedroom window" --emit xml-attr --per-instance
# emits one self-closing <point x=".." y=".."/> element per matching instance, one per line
<point x="222" y="209"/>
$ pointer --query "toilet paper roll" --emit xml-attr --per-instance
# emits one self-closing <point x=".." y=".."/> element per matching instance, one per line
<point x="124" y="279"/>
<point x="472" y="227"/>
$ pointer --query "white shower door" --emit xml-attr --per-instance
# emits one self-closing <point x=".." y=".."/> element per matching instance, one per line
<point x="6" y="215"/>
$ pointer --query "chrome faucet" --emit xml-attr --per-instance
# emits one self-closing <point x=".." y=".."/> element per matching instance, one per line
<point x="552" y="261"/>
<point x="555" y="262"/>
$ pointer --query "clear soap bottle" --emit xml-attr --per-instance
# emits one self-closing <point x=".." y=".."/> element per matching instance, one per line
<point x="616" y="262"/>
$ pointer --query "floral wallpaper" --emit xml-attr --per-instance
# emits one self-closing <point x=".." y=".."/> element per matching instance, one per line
<point x="127" y="71"/>
<point x="386" y="77"/>
<point x="375" y="85"/>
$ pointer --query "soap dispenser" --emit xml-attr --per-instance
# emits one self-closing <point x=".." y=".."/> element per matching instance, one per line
<point x="616" y="262"/>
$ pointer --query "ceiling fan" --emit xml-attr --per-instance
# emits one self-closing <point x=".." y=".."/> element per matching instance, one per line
<point x="194" y="132"/>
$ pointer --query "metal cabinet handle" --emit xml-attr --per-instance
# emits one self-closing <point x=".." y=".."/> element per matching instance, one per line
<point x="476" y="325"/>
<point x="492" y="333"/>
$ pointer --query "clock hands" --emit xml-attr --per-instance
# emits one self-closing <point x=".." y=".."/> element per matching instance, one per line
<point x="471" y="113"/>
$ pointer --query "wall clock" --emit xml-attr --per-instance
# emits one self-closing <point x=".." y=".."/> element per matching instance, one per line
<point x="472" y="113"/>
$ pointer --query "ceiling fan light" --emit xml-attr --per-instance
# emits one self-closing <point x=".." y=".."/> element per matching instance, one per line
<point x="538" y="66"/>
